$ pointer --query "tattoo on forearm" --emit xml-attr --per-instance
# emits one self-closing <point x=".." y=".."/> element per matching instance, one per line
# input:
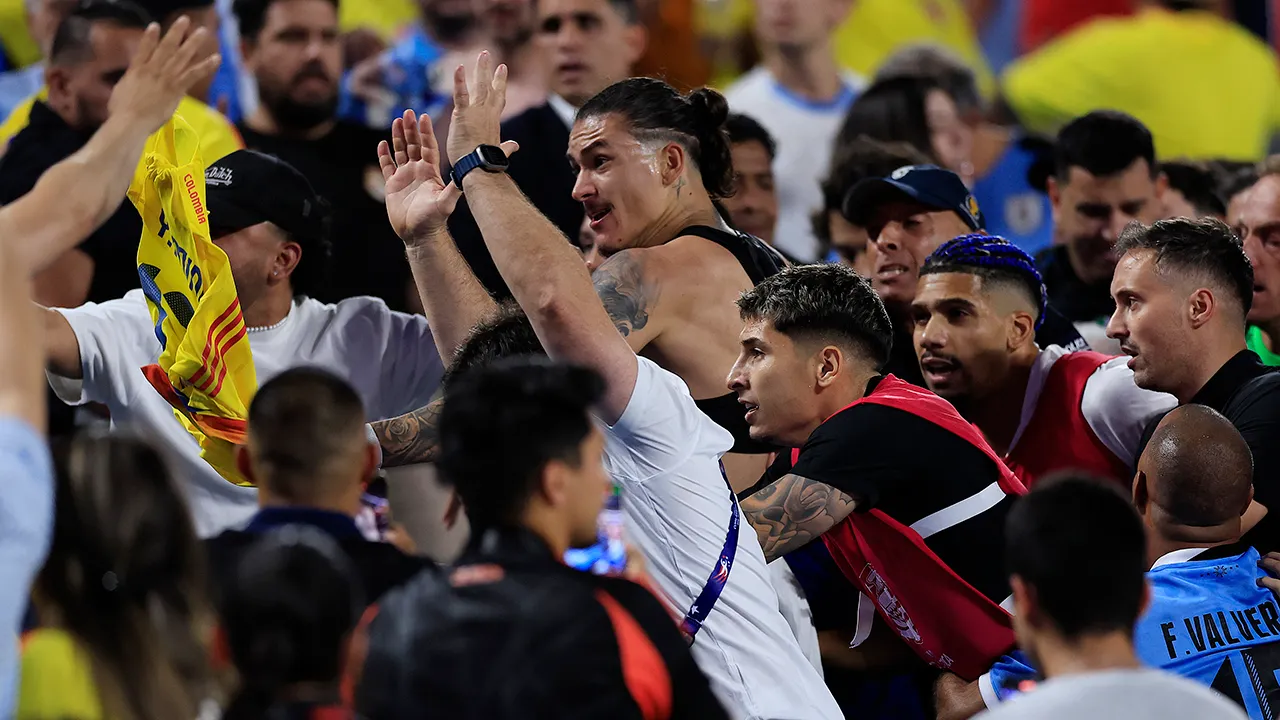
<point x="411" y="438"/>
<point x="620" y="284"/>
<point x="793" y="511"/>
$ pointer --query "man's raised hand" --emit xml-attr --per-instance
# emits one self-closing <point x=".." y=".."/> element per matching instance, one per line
<point x="477" y="109"/>
<point x="419" y="199"/>
<point x="161" y="72"/>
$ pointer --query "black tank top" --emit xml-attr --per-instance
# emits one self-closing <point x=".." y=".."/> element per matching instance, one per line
<point x="759" y="261"/>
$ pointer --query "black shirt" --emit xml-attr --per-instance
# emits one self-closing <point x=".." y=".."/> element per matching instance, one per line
<point x="1247" y="393"/>
<point x="45" y="141"/>
<point x="381" y="566"/>
<point x="1071" y="296"/>
<point x="514" y="633"/>
<point x="368" y="258"/>
<point x="910" y="468"/>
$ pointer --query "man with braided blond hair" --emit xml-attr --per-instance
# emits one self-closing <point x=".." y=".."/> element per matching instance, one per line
<point x="978" y="306"/>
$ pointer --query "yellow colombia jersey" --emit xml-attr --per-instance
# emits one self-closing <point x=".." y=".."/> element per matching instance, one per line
<point x="875" y="29"/>
<point x="218" y="137"/>
<point x="57" y="679"/>
<point x="205" y="370"/>
<point x="1204" y="86"/>
<point x="19" y="46"/>
<point x="386" y="17"/>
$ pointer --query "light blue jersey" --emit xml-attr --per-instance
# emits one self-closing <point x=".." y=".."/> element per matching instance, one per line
<point x="1208" y="621"/>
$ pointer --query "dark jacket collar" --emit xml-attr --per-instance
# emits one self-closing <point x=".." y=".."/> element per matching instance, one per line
<point x="335" y="524"/>
<point x="1240" y="369"/>
<point x="507" y="545"/>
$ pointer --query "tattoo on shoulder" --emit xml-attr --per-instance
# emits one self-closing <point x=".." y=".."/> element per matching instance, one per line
<point x="793" y="511"/>
<point x="622" y="288"/>
<point x="411" y="438"/>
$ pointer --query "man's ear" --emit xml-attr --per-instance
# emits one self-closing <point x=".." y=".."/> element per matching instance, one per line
<point x="1054" y="192"/>
<point x="830" y="363"/>
<point x="1141" y="494"/>
<point x="1022" y="330"/>
<point x="635" y="40"/>
<point x="1201" y="307"/>
<point x="672" y="161"/>
<point x="286" y="261"/>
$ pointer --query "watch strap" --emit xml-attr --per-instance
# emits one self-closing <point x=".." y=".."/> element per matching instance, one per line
<point x="469" y="162"/>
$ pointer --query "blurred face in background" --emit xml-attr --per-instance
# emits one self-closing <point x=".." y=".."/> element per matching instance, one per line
<point x="1255" y="215"/>
<point x="753" y="207"/>
<point x="510" y="23"/>
<point x="798" y="25"/>
<point x="1089" y="213"/>
<point x="448" y="20"/>
<point x="590" y="45"/>
<point x="950" y="136"/>
<point x="80" y="84"/>
<point x="297" y="61"/>
<point x="852" y="244"/>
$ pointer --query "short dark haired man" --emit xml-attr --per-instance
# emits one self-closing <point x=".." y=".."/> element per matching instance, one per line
<point x="90" y="51"/>
<point x="309" y="456"/>
<point x="274" y="229"/>
<point x="292" y="49"/>
<point x="1182" y="291"/>
<point x="841" y="240"/>
<point x="1192" y="192"/>
<point x="976" y="314"/>
<point x="753" y="206"/>
<point x="1075" y="615"/>
<point x="910" y="214"/>
<point x="518" y="443"/>
<point x="1255" y="215"/>
<point x="1105" y="176"/>
<point x="813" y="340"/>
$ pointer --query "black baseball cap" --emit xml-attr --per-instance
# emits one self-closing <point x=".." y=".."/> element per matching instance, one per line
<point x="248" y="187"/>
<point x="928" y="185"/>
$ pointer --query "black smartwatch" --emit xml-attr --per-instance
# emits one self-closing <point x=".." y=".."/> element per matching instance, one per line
<point x="489" y="158"/>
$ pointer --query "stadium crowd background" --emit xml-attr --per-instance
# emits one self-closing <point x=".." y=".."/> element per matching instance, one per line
<point x="1034" y="239"/>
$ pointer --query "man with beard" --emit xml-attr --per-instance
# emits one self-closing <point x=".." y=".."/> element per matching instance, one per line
<point x="292" y="49"/>
<point x="1105" y="177"/>
<point x="976" y="314"/>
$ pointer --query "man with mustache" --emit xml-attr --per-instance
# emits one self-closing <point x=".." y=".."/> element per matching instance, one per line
<point x="976" y="314"/>
<point x="292" y="49"/>
<point x="1183" y="289"/>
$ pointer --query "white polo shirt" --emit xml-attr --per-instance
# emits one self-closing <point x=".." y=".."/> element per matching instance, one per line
<point x="805" y="133"/>
<point x="388" y="357"/>
<point x="665" y="455"/>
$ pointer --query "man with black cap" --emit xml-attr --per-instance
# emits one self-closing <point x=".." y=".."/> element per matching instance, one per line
<point x="908" y="215"/>
<point x="274" y="229"/>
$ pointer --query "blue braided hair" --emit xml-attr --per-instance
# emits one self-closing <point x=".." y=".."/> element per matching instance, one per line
<point x="989" y="255"/>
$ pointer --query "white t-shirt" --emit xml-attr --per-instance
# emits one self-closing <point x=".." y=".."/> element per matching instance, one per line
<point x="804" y="132"/>
<point x="1116" y="409"/>
<point x="1119" y="695"/>
<point x="665" y="455"/>
<point x="388" y="357"/>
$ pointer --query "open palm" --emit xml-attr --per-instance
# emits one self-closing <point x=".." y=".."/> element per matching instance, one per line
<point x="419" y="201"/>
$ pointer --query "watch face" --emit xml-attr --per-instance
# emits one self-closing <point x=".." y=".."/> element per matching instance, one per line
<point x="493" y="156"/>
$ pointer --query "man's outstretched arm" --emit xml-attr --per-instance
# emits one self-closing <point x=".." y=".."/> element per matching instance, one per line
<point x="545" y="273"/>
<point x="411" y="438"/>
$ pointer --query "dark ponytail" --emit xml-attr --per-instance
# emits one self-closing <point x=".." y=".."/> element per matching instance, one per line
<point x="655" y="109"/>
<point x="292" y="602"/>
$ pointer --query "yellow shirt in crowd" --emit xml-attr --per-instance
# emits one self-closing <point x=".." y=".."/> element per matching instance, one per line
<point x="875" y="29"/>
<point x="386" y="17"/>
<point x="1205" y="87"/>
<point x="57" y="680"/>
<point x="15" y="38"/>
<point x="218" y="137"/>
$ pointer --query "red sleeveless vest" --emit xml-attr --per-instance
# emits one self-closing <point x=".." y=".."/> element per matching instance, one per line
<point x="1058" y="436"/>
<point x="947" y="622"/>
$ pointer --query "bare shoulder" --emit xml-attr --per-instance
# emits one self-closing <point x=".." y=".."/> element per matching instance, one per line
<point x="626" y="288"/>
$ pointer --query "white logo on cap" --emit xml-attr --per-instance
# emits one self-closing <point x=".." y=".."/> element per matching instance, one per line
<point x="902" y="172"/>
<point x="217" y="176"/>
